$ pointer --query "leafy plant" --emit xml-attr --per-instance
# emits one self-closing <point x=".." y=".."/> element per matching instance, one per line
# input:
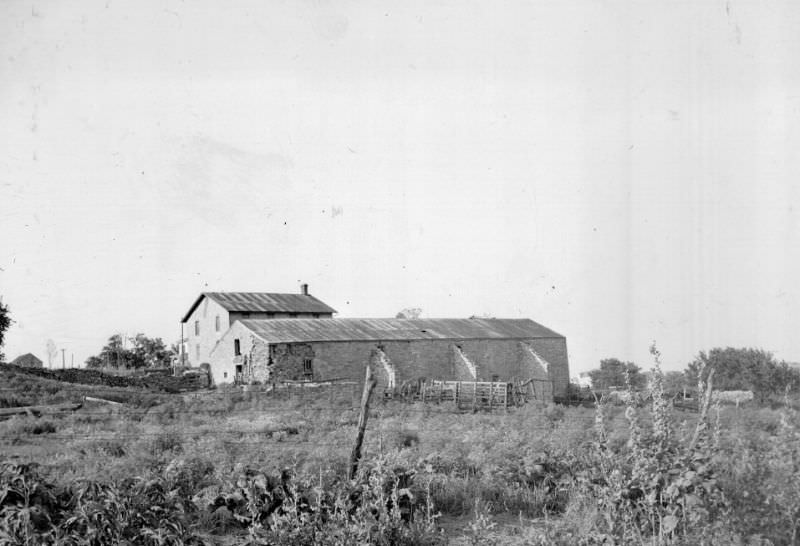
<point x="661" y="488"/>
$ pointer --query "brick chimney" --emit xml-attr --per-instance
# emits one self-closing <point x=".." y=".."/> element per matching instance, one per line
<point x="304" y="289"/>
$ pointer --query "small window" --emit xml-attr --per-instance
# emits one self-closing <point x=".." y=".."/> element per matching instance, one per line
<point x="308" y="371"/>
<point x="225" y="375"/>
<point x="237" y="349"/>
<point x="197" y="351"/>
<point x="314" y="315"/>
<point x="495" y="378"/>
<point x="216" y="323"/>
<point x="197" y="327"/>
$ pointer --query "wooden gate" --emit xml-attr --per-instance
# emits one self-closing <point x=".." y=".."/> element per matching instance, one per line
<point x="465" y="394"/>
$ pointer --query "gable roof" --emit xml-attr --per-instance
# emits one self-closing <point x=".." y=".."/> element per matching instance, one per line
<point x="390" y="329"/>
<point x="26" y="360"/>
<point x="263" y="302"/>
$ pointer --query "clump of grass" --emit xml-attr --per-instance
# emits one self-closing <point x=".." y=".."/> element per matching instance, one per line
<point x="165" y="444"/>
<point x="111" y="448"/>
<point x="19" y="428"/>
<point x="41" y="427"/>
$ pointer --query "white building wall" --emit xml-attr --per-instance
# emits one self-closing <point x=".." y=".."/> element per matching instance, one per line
<point x="204" y="321"/>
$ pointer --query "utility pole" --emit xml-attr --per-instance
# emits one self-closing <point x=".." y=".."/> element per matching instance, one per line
<point x="63" y="362"/>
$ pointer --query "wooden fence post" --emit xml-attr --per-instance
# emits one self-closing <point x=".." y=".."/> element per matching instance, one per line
<point x="355" y="455"/>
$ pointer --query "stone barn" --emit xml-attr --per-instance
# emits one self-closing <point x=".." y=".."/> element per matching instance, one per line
<point x="398" y="350"/>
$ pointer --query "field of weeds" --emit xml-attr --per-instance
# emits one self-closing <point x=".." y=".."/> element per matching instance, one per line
<point x="257" y="468"/>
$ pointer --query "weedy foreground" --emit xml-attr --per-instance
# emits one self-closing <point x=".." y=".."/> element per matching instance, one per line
<point x="243" y="469"/>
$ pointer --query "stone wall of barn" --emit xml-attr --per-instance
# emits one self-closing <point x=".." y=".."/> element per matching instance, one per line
<point x="554" y="351"/>
<point x="503" y="360"/>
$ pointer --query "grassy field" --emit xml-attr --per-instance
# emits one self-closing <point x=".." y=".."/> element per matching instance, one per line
<point x="260" y="468"/>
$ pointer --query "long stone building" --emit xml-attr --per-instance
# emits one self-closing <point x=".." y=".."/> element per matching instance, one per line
<point x="213" y="313"/>
<point x="397" y="349"/>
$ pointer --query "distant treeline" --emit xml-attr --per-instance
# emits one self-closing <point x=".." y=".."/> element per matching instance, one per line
<point x="735" y="369"/>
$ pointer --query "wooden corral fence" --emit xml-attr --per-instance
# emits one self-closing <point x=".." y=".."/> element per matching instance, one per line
<point x="464" y="395"/>
<point x="473" y="394"/>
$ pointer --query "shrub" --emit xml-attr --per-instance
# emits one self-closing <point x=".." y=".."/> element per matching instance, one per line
<point x="661" y="489"/>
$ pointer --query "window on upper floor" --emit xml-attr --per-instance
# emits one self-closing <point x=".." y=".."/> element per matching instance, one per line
<point x="237" y="349"/>
<point x="197" y="327"/>
<point x="216" y="323"/>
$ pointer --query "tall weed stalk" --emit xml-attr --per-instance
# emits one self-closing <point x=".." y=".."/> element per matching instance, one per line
<point x="660" y="488"/>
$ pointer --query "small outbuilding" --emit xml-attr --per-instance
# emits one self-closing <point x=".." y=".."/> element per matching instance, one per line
<point x="28" y="360"/>
<point x="398" y="350"/>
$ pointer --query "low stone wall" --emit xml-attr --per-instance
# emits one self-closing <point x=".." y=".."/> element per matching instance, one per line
<point x="160" y="382"/>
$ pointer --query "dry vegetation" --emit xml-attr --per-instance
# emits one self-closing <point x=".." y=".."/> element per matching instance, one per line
<point x="249" y="468"/>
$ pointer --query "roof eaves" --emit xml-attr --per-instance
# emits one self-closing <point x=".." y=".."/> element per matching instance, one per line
<point x="193" y="307"/>
<point x="330" y="309"/>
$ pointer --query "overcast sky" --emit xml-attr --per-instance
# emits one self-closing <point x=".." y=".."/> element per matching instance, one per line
<point x="621" y="172"/>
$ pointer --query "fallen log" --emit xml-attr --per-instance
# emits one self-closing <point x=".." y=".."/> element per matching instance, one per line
<point x="101" y="400"/>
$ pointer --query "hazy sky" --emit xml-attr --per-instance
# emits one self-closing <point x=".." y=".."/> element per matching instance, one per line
<point x="622" y="172"/>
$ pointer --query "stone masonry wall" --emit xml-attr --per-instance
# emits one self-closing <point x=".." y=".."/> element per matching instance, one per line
<point x="259" y="358"/>
<point x="554" y="350"/>
<point x="287" y="360"/>
<point x="413" y="360"/>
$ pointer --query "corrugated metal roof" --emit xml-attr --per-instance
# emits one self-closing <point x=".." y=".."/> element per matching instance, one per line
<point x="348" y="329"/>
<point x="263" y="302"/>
